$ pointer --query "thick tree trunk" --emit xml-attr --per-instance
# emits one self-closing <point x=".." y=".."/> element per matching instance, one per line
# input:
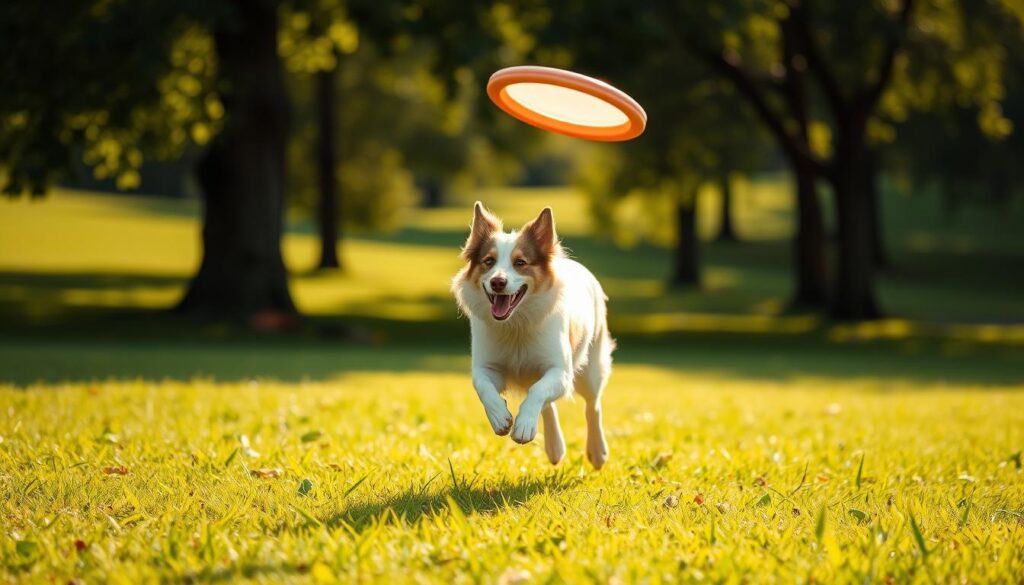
<point x="726" y="229"/>
<point x="874" y="196"/>
<point x="327" y="156"/>
<point x="854" y="291"/>
<point x="686" y="259"/>
<point x="809" y="244"/>
<point x="242" y="176"/>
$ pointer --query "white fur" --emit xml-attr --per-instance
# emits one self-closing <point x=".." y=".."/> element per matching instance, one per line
<point x="532" y="351"/>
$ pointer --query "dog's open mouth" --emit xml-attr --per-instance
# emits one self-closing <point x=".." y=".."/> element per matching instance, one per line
<point x="503" y="305"/>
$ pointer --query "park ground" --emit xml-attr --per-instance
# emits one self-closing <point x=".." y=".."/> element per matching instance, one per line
<point x="747" y="443"/>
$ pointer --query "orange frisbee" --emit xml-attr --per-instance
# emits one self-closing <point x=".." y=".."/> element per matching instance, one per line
<point x="566" y="102"/>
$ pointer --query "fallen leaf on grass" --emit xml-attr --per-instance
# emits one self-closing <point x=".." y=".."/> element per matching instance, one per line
<point x="661" y="459"/>
<point x="118" y="470"/>
<point x="305" y="486"/>
<point x="266" y="473"/>
<point x="760" y="481"/>
<point x="698" y="499"/>
<point x="311" y="436"/>
<point x="671" y="502"/>
<point x="80" y="545"/>
<point x="26" y="548"/>
<point x="514" y="577"/>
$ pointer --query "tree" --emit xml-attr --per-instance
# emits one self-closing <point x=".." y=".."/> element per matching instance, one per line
<point x="697" y="127"/>
<point x="856" y="54"/>
<point x="150" y="78"/>
<point x="242" y="174"/>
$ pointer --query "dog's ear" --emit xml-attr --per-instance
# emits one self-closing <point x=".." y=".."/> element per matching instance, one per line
<point x="485" y="225"/>
<point x="542" y="232"/>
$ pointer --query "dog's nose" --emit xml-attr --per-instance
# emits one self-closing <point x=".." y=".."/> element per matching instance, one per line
<point x="498" y="284"/>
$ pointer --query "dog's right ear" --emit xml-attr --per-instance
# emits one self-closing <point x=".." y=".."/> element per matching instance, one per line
<point x="485" y="225"/>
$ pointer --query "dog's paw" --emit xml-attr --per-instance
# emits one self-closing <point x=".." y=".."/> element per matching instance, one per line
<point x="525" y="429"/>
<point x="500" y="418"/>
<point x="597" y="454"/>
<point x="555" y="448"/>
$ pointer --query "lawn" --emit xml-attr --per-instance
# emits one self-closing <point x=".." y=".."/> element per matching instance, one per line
<point x="746" y="444"/>
<point x="395" y="476"/>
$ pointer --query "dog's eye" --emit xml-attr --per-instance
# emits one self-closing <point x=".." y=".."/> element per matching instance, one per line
<point x="488" y="262"/>
<point x="519" y="263"/>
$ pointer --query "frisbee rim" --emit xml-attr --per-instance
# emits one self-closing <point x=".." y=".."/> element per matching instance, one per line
<point x="636" y="116"/>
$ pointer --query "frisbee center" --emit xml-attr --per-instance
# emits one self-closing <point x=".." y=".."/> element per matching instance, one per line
<point x="566" y="105"/>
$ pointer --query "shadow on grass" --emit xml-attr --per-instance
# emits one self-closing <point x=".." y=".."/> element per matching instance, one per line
<point x="409" y="507"/>
<point x="415" y="503"/>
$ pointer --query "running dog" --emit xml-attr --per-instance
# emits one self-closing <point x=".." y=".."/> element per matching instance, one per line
<point x="538" y="323"/>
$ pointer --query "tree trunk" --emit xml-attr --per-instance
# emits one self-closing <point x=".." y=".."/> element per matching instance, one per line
<point x="242" y="176"/>
<point x="854" y="285"/>
<point x="327" y="156"/>
<point x="874" y="196"/>
<point x="686" y="259"/>
<point x="433" y="193"/>
<point x="809" y="244"/>
<point x="726" y="230"/>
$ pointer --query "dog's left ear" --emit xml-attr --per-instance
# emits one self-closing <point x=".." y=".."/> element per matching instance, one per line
<point x="542" y="231"/>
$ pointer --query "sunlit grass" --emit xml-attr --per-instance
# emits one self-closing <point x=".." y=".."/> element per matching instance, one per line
<point x="712" y="477"/>
<point x="89" y="251"/>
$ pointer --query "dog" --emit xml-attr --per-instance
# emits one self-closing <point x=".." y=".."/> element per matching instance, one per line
<point x="538" y="322"/>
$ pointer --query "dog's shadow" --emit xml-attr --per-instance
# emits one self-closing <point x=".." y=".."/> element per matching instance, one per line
<point x="415" y="503"/>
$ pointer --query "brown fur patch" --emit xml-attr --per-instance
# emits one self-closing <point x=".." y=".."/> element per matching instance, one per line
<point x="538" y="245"/>
<point x="541" y="234"/>
<point x="481" y="233"/>
<point x="476" y="267"/>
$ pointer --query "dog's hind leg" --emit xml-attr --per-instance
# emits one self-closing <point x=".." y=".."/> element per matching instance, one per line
<point x="554" y="443"/>
<point x="590" y="384"/>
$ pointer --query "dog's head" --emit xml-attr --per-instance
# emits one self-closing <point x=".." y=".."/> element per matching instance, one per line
<point x="506" y="270"/>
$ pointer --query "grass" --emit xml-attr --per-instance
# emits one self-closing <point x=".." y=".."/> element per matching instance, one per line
<point x="747" y="444"/>
<point x="712" y="477"/>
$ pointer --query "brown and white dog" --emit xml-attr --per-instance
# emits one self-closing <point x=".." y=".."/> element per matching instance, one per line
<point x="538" y="323"/>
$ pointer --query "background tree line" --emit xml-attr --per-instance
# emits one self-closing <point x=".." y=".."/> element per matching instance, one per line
<point x="352" y="109"/>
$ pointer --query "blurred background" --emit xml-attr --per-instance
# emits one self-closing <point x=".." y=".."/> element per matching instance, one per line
<point x="238" y="188"/>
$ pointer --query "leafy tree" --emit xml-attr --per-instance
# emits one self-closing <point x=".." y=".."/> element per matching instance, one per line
<point x="118" y="81"/>
<point x="639" y="46"/>
<point x="857" y="55"/>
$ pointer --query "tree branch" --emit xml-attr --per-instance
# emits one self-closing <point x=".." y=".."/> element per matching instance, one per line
<point x="868" y="98"/>
<point x="744" y="83"/>
<point x="809" y="46"/>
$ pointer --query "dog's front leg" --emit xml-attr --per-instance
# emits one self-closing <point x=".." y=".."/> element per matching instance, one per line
<point x="489" y="384"/>
<point x="554" y="384"/>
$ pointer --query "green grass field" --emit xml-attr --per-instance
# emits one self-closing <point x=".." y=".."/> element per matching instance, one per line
<point x="746" y="444"/>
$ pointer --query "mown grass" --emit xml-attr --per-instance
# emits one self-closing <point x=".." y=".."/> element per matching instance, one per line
<point x="712" y="477"/>
<point x="747" y="445"/>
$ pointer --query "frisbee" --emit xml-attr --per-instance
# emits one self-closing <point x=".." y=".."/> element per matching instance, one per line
<point x="567" y="103"/>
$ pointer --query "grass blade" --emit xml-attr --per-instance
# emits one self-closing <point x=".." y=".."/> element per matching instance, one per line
<point x="860" y="470"/>
<point x="918" y="537"/>
<point x="354" y="486"/>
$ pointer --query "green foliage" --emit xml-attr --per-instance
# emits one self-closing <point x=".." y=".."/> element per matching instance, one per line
<point x="105" y="83"/>
<point x="698" y="130"/>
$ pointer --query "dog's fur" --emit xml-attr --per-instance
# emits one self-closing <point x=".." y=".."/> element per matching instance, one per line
<point x="554" y="341"/>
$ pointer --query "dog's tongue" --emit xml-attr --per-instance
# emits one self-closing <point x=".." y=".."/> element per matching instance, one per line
<point x="501" y="306"/>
